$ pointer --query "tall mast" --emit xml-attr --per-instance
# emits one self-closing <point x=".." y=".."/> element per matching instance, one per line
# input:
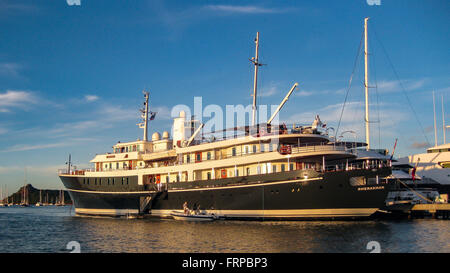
<point x="255" y="62"/>
<point x="443" y="119"/>
<point x="366" y="83"/>
<point x="435" y="128"/>
<point x="24" y="185"/>
<point x="144" y="115"/>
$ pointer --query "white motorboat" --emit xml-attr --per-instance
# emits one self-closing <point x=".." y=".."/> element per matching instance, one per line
<point x="192" y="216"/>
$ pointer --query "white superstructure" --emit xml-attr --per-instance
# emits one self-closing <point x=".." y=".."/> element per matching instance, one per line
<point x="434" y="164"/>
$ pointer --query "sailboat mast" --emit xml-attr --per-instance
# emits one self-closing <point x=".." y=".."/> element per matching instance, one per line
<point x="443" y="119"/>
<point x="255" y="83"/>
<point x="435" y="128"/>
<point x="24" y="184"/>
<point x="366" y="82"/>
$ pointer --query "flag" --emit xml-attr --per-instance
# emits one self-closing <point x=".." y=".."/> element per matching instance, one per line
<point x="393" y="151"/>
<point x="413" y="174"/>
<point x="152" y="115"/>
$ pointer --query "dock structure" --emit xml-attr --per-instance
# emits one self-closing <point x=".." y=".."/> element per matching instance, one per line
<point x="439" y="211"/>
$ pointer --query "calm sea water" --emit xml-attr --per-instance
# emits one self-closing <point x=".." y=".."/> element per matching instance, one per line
<point x="50" y="229"/>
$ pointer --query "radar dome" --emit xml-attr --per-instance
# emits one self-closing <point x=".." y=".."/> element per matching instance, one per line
<point x="165" y="135"/>
<point x="156" y="136"/>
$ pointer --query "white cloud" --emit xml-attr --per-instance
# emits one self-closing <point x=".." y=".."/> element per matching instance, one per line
<point x="107" y="116"/>
<point x="303" y="93"/>
<point x="10" y="69"/>
<point x="90" y="98"/>
<point x="178" y="19"/>
<point x="31" y="170"/>
<point x="16" y="98"/>
<point x="245" y="9"/>
<point x="353" y="118"/>
<point x="28" y="147"/>
<point x="163" y="112"/>
<point x="268" y="92"/>
<point x="396" y="86"/>
<point x="306" y="92"/>
<point x="11" y="7"/>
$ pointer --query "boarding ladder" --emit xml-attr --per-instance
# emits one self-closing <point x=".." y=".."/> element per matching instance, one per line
<point x="146" y="202"/>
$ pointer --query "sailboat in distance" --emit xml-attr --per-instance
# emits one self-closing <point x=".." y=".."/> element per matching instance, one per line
<point x="1" y="196"/>
<point x="38" y="204"/>
<point x="24" y="202"/>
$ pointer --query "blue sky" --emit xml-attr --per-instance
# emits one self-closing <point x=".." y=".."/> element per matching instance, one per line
<point x="71" y="77"/>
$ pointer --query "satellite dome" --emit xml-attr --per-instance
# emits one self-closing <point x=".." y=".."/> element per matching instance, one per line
<point x="156" y="136"/>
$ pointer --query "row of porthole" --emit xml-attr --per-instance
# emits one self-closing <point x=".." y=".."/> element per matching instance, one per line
<point x="125" y="181"/>
<point x="320" y="187"/>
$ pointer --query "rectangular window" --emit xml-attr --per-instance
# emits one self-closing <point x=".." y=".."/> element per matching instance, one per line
<point x="233" y="151"/>
<point x="117" y="165"/>
<point x="198" y="157"/>
<point x="282" y="167"/>
<point x="122" y="180"/>
<point x="127" y="180"/>
<point x="291" y="167"/>
<point x="208" y="156"/>
<point x="274" y="168"/>
<point x="208" y="175"/>
<point x="262" y="148"/>
<point x="188" y="158"/>
<point x="248" y="171"/>
<point x="254" y="148"/>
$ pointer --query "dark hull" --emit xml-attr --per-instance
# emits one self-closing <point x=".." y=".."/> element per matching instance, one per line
<point x="288" y="195"/>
